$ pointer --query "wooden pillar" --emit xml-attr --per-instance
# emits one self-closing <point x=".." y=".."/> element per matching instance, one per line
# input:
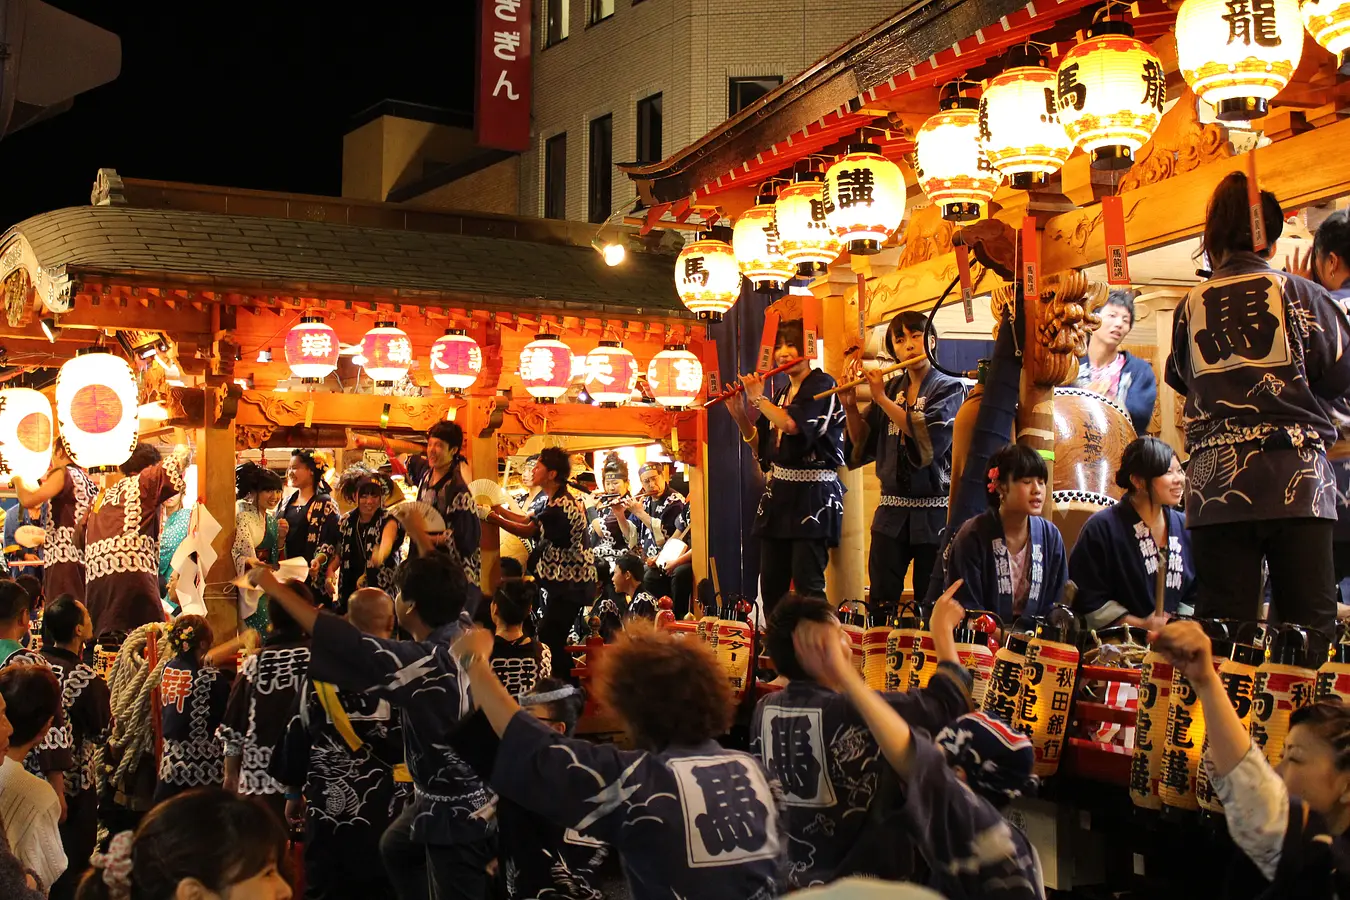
<point x="215" y="470"/>
<point x="697" y="472"/>
<point x="482" y="452"/>
<point x="846" y="575"/>
<point x="1164" y="304"/>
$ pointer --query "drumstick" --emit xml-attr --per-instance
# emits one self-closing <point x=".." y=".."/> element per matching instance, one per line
<point x="778" y="370"/>
<point x="1160" y="583"/>
<point x="903" y="364"/>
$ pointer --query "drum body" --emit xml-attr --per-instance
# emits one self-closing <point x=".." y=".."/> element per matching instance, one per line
<point x="1090" y="434"/>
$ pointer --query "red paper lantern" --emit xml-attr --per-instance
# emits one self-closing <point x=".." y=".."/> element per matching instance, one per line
<point x="312" y="350"/>
<point x="388" y="353"/>
<point x="456" y="360"/>
<point x="611" y="373"/>
<point x="96" y="409"/>
<point x="675" y="376"/>
<point x="546" y="368"/>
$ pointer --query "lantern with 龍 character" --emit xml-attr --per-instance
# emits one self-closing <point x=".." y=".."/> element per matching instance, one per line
<point x="1155" y="690"/>
<point x="675" y="377"/>
<point x="456" y="361"/>
<point x="611" y="373"/>
<point x="1183" y="742"/>
<point x="1328" y="21"/>
<point x="388" y="353"/>
<point x="96" y="410"/>
<point x="759" y="247"/>
<point x="806" y="237"/>
<point x="864" y="198"/>
<point x="312" y="350"/>
<point x="1283" y="683"/>
<point x="708" y="278"/>
<point x="1237" y="673"/>
<point x="952" y="167"/>
<point x="546" y="368"/>
<point x="1238" y="61"/>
<point x="26" y="434"/>
<point x="1049" y="675"/>
<point x="1020" y="129"/>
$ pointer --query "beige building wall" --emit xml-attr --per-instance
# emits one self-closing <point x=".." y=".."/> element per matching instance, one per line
<point x="390" y="152"/>
<point x="495" y="189"/>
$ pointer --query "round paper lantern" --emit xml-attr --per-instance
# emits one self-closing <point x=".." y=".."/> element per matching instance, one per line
<point x="865" y="198"/>
<point x="1020" y="129"/>
<point x="312" y="350"/>
<point x="26" y="433"/>
<point x="456" y="360"/>
<point x="759" y="249"/>
<point x="803" y="232"/>
<point x="708" y="278"/>
<point x="388" y="353"/>
<point x="952" y="168"/>
<point x="546" y="368"/>
<point x="611" y="373"/>
<point x="1238" y="56"/>
<point x="1328" y="21"/>
<point x="675" y="376"/>
<point x="96" y="409"/>
<point x="1111" y="90"/>
<point x="1048" y="678"/>
<point x="1155" y="691"/>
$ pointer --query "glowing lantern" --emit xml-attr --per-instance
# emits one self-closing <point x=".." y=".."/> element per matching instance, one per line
<point x="1111" y="90"/>
<point x="853" y="623"/>
<point x="864" y="198"/>
<point x="456" y="360"/>
<point x="1019" y="121"/>
<point x="758" y="247"/>
<point x="803" y="232"/>
<point x="26" y="432"/>
<point x="388" y="353"/>
<point x="1282" y="684"/>
<point x="611" y="373"/>
<point x="1183" y="741"/>
<point x="972" y="648"/>
<point x="546" y="368"/>
<point x="874" y="654"/>
<point x="1155" y="691"/>
<point x="1048" y="678"/>
<point x="1238" y="56"/>
<point x="1237" y="673"/>
<point x="733" y="647"/>
<point x="1328" y="21"/>
<point x="1005" y="678"/>
<point x="96" y="409"/>
<point x="1333" y="679"/>
<point x="900" y="649"/>
<point x="312" y="350"/>
<point x="708" y="278"/>
<point x="952" y="168"/>
<point x="675" y="376"/>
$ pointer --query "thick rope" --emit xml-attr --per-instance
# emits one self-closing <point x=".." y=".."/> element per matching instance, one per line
<point x="131" y="683"/>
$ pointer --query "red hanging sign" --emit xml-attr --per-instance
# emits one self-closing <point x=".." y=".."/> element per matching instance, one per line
<point x="967" y="290"/>
<point x="1031" y="258"/>
<point x="811" y="326"/>
<point x="1258" y="221"/>
<point x="767" y="340"/>
<point x="502" y="111"/>
<point x="1117" y="258"/>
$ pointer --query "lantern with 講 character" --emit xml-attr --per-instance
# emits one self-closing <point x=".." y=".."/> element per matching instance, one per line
<point x="1237" y="673"/>
<point x="804" y="233"/>
<point x="388" y="353"/>
<point x="900" y="647"/>
<point x="874" y="652"/>
<point x="675" y="377"/>
<point x="708" y="278"/>
<point x="1005" y="678"/>
<point x="456" y="360"/>
<point x="1238" y="59"/>
<point x="611" y="373"/>
<point x="26" y="434"/>
<point x="1049" y="675"/>
<point x="1155" y="690"/>
<point x="1283" y="684"/>
<point x="972" y="648"/>
<point x="312" y="350"/>
<point x="96" y="410"/>
<point x="1020" y="129"/>
<point x="864" y="198"/>
<point x="759" y="247"/>
<point x="1328" y="21"/>
<point x="952" y="167"/>
<point x="1183" y="743"/>
<point x="546" y="368"/>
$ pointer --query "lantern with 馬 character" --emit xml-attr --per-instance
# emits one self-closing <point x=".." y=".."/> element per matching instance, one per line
<point x="972" y="648"/>
<point x="900" y="646"/>
<point x="1049" y="675"/>
<point x="1155" y="691"/>
<point x="1183" y="742"/>
<point x="1283" y="683"/>
<point x="1237" y="673"/>
<point x="923" y="661"/>
<point x="874" y="652"/>
<point x="1005" y="678"/>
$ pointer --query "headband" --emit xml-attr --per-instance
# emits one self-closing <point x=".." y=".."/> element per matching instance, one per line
<point x="561" y="693"/>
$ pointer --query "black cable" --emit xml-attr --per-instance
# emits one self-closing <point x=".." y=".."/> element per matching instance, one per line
<point x="930" y="333"/>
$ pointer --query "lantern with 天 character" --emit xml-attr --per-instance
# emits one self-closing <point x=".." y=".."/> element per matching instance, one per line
<point x="708" y="278"/>
<point x="1020" y="129"/>
<point x="611" y="373"/>
<point x="864" y="198"/>
<point x="388" y="353"/>
<point x="96" y="410"/>
<point x="900" y="647"/>
<point x="26" y="433"/>
<point x="1283" y="684"/>
<point x="546" y="368"/>
<point x="1237" y="57"/>
<point x="312" y="350"/>
<point x="456" y="360"/>
<point x="675" y="376"/>
<point x="1111" y="89"/>
<point x="1049" y="675"/>
<point x="1328" y="21"/>
<point x="1237" y="673"/>
<point x="759" y="248"/>
<point x="805" y="235"/>
<point x="1155" y="690"/>
<point x="952" y="167"/>
<point x="1005" y="678"/>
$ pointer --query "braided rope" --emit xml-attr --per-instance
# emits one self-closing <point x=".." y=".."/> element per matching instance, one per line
<point x="130" y="683"/>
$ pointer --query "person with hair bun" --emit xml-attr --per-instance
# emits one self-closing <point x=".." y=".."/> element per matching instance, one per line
<point x="257" y="537"/>
<point x="1257" y="353"/>
<point x="307" y="520"/>
<point x="192" y="698"/>
<point x="1011" y="560"/>
<point x="202" y="845"/>
<point x="613" y="528"/>
<point x="1115" y="560"/>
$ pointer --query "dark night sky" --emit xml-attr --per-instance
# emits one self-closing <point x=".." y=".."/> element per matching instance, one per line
<point x="253" y="95"/>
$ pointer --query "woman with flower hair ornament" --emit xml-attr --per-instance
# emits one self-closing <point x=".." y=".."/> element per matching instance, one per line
<point x="369" y="537"/>
<point x="192" y="698"/>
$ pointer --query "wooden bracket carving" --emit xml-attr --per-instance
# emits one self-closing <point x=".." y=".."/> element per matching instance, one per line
<point x="1180" y="144"/>
<point x="492" y="411"/>
<point x="1059" y="322"/>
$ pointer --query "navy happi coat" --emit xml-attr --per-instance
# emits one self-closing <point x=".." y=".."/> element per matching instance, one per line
<point x="979" y="555"/>
<point x="803" y="499"/>
<point x="1114" y="563"/>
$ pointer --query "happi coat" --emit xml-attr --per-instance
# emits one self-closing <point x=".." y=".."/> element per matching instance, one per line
<point x="87" y="707"/>
<point x="451" y="498"/>
<point x="1114" y="563"/>
<point x="669" y="512"/>
<point x="803" y="498"/>
<point x="979" y="555"/>
<point x="62" y="553"/>
<point x="311" y="533"/>
<point x="544" y="861"/>
<point x="259" y="710"/>
<point x="192" y="701"/>
<point x="357" y="543"/>
<point x="1338" y="410"/>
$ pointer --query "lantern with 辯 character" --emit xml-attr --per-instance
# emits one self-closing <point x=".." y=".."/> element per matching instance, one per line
<point x="1238" y="59"/>
<point x="1237" y="673"/>
<point x="312" y="350"/>
<point x="456" y="360"/>
<point x="26" y="434"/>
<point x="864" y="198"/>
<point x="96" y="410"/>
<point x="900" y="646"/>
<point x="952" y="167"/>
<point x="611" y="373"/>
<point x="708" y="278"/>
<point x="1005" y="678"/>
<point x="546" y="368"/>
<point x="1049" y="675"/>
<point x="804" y="233"/>
<point x="1283" y="683"/>
<point x="972" y="648"/>
<point x="387" y="351"/>
<point x="1155" y="691"/>
<point x="759" y="247"/>
<point x="874" y="652"/>
<point x="1019" y="120"/>
<point x="1328" y="21"/>
<point x="675" y="377"/>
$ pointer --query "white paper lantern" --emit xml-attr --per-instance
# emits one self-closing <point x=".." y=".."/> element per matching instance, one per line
<point x="546" y="368"/>
<point x="952" y="168"/>
<point x="1328" y="21"/>
<point x="759" y="249"/>
<point x="1238" y="56"/>
<point x="1111" y="90"/>
<point x="27" y="431"/>
<point x="388" y="353"/>
<point x="675" y="376"/>
<point x="456" y="360"/>
<point x="96" y="409"/>
<point x="312" y="350"/>
<point x="708" y="278"/>
<point x="803" y="231"/>
<point x="864" y="198"/>
<point x="1019" y="122"/>
<point x="611" y="373"/>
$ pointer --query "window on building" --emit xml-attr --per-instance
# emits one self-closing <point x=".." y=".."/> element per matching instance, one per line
<point x="649" y="129"/>
<point x="556" y="26"/>
<point x="601" y="9"/>
<point x="600" y="168"/>
<point x="741" y="92"/>
<point x="555" y="177"/>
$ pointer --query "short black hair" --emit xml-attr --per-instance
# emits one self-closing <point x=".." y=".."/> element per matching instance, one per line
<point x="143" y="457"/>
<point x="791" y="334"/>
<point x="435" y="585"/>
<point x="511" y="567"/>
<point x="59" y="621"/>
<point x="513" y="602"/>
<point x="1228" y="226"/>
<point x="1014" y="462"/>
<point x="281" y="624"/>
<point x="33" y="585"/>
<point x="447" y="432"/>
<point x="565" y="711"/>
<point x="1122" y="298"/>
<point x="14" y="601"/>
<point x="32" y="699"/>
<point x="632" y="565"/>
<point x="791" y="610"/>
<point x="910" y="320"/>
<point x="1333" y="236"/>
<point x="1146" y="456"/>
<point x="250" y="478"/>
<point x="556" y="460"/>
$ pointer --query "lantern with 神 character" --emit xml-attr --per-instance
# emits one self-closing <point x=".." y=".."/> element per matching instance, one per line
<point x="1111" y="89"/>
<point x="1019" y="122"/>
<point x="1328" y="21"/>
<point x="456" y="360"/>
<point x="1049" y="675"/>
<point x="952" y="167"/>
<point x="759" y="247"/>
<point x="1005" y="678"/>
<point x="972" y="648"/>
<point x="1155" y="690"/>
<point x="1237" y="673"/>
<point x="1283" y="683"/>
<point x="96" y="409"/>
<point x="611" y="373"/>
<point x="546" y="368"/>
<point x="900" y="647"/>
<point x="388" y="353"/>
<point x="1238" y="56"/>
<point x="874" y="652"/>
<point x="312" y="350"/>
<point x="805" y="235"/>
<point x="864" y="198"/>
<point x="26" y="433"/>
<point x="675" y="377"/>
<point x="708" y="278"/>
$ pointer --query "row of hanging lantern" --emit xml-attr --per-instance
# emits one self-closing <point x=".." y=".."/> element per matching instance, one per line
<point x="610" y="372"/>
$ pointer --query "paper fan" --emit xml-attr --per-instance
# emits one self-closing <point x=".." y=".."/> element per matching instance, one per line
<point x="486" y="492"/>
<point x="431" y="519"/>
<point x="30" y="536"/>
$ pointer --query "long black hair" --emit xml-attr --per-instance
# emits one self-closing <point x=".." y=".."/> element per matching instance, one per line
<point x="1147" y="457"/>
<point x="251" y="478"/>
<point x="1012" y="463"/>
<point x="1228" y="226"/>
<point x="1333" y="236"/>
<point x="310" y="460"/>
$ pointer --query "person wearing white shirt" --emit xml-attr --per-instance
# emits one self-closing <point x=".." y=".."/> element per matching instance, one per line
<point x="30" y="811"/>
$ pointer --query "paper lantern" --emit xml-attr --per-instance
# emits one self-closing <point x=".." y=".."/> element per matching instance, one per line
<point x="1282" y="684"/>
<point x="1020" y="129"/>
<point x="951" y="165"/>
<point x="1049" y="675"/>
<point x="1183" y="742"/>
<point x="804" y="233"/>
<point x="546" y="368"/>
<point x="26" y="434"/>
<point x="96" y="410"/>
<point x="735" y="642"/>
<point x="1328" y="21"/>
<point x="864" y="198"/>
<point x="1155" y="691"/>
<point x="1237" y="673"/>
<point x="1333" y="678"/>
<point x="312" y="350"/>
<point x="899" y="649"/>
<point x="1111" y="89"/>
<point x="1005" y="678"/>
<point x="1238" y="56"/>
<point x="759" y="248"/>
<point x="611" y="373"/>
<point x="973" y="651"/>
<point x="675" y="376"/>
<point x="456" y="360"/>
<point x="388" y="353"/>
<point x="853" y="627"/>
<point x="874" y="655"/>
<point x="708" y="278"/>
